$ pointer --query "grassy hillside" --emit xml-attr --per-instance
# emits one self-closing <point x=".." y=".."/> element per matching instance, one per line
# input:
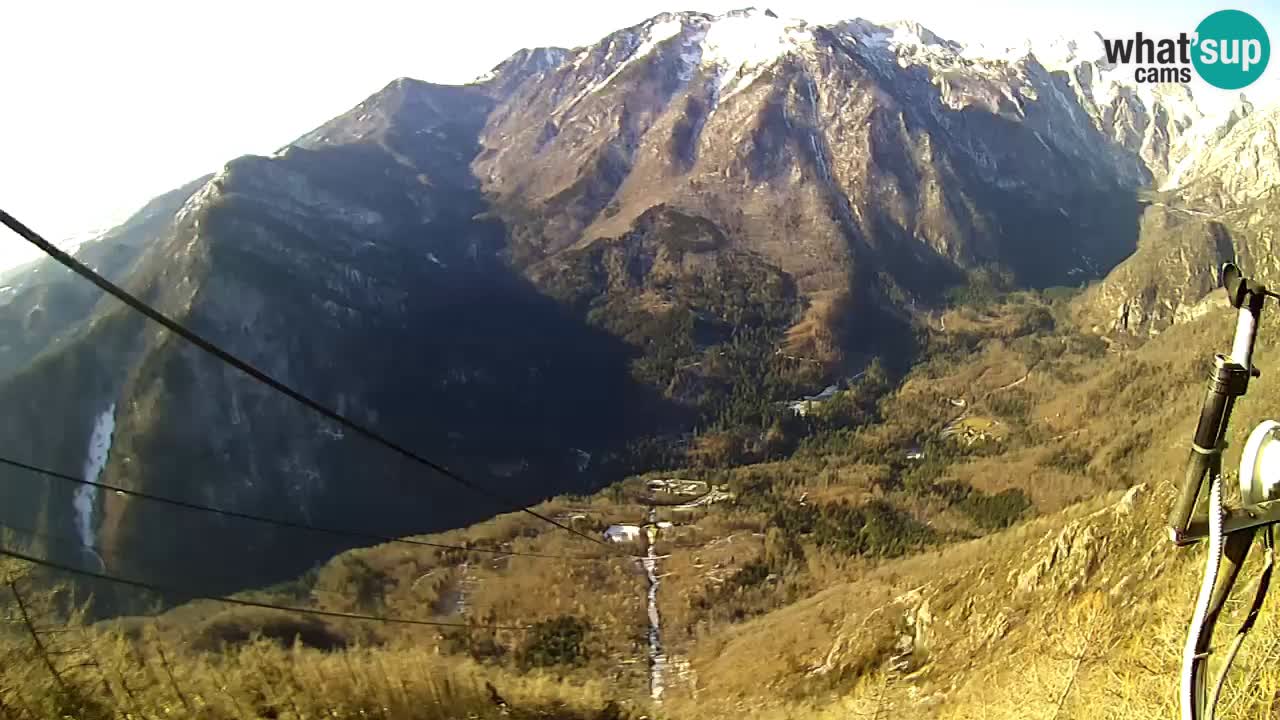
<point x="1015" y="567"/>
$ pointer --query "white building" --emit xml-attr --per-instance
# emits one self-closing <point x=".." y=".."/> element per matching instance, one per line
<point x="622" y="533"/>
<point x="804" y="405"/>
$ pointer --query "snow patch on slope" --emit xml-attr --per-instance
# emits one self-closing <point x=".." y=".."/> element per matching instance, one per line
<point x="742" y="45"/>
<point x="653" y="33"/>
<point x="735" y="48"/>
<point x="84" y="500"/>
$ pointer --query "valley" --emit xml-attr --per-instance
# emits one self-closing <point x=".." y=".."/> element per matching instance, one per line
<point x="945" y="573"/>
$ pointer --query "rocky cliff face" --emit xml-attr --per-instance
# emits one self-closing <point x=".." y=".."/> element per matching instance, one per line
<point x="819" y="147"/>
<point x="1243" y="166"/>
<point x="1173" y="269"/>
<point x="1220" y="210"/>
<point x="1161" y="124"/>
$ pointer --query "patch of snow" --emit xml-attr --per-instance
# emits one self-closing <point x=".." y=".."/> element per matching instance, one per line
<point x="734" y="48"/>
<point x="658" y="32"/>
<point x="85" y="497"/>
<point x="1053" y="51"/>
<point x="1207" y="131"/>
<point x="201" y="196"/>
<point x="742" y="45"/>
<point x="1179" y="171"/>
<point x="655" y="35"/>
<point x="880" y="39"/>
<point x="649" y="40"/>
<point x="905" y="35"/>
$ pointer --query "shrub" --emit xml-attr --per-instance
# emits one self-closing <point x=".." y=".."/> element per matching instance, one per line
<point x="1065" y="373"/>
<point x="1092" y="346"/>
<point x="1013" y="403"/>
<point x="559" y="641"/>
<point x="70" y="701"/>
<point x="920" y="478"/>
<point x="986" y="285"/>
<point x="239" y="627"/>
<point x="875" y="528"/>
<point x="1060" y="293"/>
<point x="749" y="575"/>
<point x="481" y="646"/>
<point x="995" y="512"/>
<point x="1127" y="450"/>
<point x="1036" y="320"/>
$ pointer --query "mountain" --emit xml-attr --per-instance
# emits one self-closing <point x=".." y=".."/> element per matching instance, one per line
<point x="549" y="277"/>
<point x="1175" y="266"/>
<point x="1241" y="167"/>
<point x="1161" y="123"/>
<point x="349" y="266"/>
<point x="1220" y="210"/>
<point x="42" y="301"/>
<point x="822" y="148"/>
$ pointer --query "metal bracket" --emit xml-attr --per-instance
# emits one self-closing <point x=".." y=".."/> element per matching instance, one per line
<point x="1237" y="519"/>
<point x="1228" y="377"/>
<point x="1239" y="288"/>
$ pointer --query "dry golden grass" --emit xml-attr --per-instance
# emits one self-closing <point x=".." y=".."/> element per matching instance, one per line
<point x="1080" y="613"/>
<point x="812" y="338"/>
<point x="1049" y="488"/>
<point x="206" y="661"/>
<point x="145" y="677"/>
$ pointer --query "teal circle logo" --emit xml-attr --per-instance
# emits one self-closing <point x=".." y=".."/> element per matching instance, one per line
<point x="1232" y="49"/>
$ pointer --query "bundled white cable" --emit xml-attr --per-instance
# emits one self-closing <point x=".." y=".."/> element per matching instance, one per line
<point x="1190" y="657"/>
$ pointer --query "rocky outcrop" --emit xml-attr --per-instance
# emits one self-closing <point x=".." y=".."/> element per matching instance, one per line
<point x="1066" y="561"/>
<point x="1220" y="210"/>
<point x="1174" y="268"/>
<point x="1243" y="166"/>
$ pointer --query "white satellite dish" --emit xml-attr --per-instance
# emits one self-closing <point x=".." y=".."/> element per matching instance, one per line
<point x="1260" y="465"/>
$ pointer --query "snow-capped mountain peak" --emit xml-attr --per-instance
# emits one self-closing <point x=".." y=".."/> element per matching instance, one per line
<point x="738" y="43"/>
<point x="734" y="45"/>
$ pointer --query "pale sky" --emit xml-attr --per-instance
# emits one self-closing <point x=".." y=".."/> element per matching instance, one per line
<point x="108" y="104"/>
